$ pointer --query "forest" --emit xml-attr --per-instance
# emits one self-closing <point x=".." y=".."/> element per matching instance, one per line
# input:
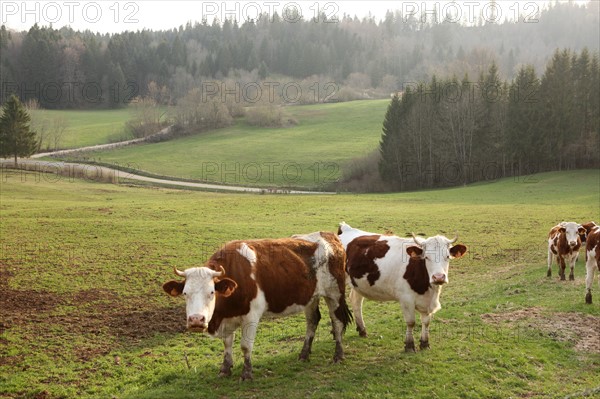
<point x="449" y="132"/>
<point x="360" y="58"/>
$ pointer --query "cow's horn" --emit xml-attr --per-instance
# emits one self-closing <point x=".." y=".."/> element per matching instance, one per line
<point x="452" y="241"/>
<point x="416" y="239"/>
<point x="219" y="273"/>
<point x="178" y="272"/>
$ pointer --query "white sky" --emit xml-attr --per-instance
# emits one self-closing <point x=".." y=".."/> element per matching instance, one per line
<point x="116" y="16"/>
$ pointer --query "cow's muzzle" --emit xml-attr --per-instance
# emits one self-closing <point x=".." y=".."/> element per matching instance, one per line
<point x="439" y="279"/>
<point x="573" y="243"/>
<point x="197" y="323"/>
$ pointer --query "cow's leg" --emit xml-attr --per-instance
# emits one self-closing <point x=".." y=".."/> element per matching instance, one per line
<point x="228" y="357"/>
<point x="313" y="315"/>
<point x="425" y="320"/>
<point x="409" y="317"/>
<point x="356" y="301"/>
<point x="573" y="260"/>
<point x="590" y="267"/>
<point x="550" y="257"/>
<point x="247" y="342"/>
<point x="337" y="325"/>
<point x="561" y="267"/>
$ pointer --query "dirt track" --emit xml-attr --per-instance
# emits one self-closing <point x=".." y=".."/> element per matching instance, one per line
<point x="94" y="172"/>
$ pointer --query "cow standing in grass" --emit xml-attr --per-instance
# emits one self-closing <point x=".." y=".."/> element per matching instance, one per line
<point x="410" y="271"/>
<point x="564" y="242"/>
<point x="592" y="250"/>
<point x="246" y="280"/>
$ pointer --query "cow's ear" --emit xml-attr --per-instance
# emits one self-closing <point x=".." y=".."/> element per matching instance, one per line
<point x="174" y="288"/>
<point x="414" y="251"/>
<point x="225" y="286"/>
<point x="562" y="229"/>
<point x="582" y="230"/>
<point x="458" y="250"/>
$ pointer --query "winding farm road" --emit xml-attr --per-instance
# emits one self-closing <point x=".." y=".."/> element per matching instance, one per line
<point x="106" y="174"/>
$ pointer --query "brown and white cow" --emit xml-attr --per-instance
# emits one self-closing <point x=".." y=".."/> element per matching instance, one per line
<point x="592" y="250"/>
<point x="589" y="226"/>
<point x="410" y="271"/>
<point x="564" y="242"/>
<point x="246" y="280"/>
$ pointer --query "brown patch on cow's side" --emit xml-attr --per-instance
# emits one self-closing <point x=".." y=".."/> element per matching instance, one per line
<point x="582" y="330"/>
<point x="285" y="272"/>
<point x="361" y="254"/>
<point x="416" y="275"/>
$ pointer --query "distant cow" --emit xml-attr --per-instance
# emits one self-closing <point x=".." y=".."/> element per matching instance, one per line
<point x="246" y="280"/>
<point x="564" y="242"/>
<point x="389" y="268"/>
<point x="592" y="250"/>
<point x="589" y="226"/>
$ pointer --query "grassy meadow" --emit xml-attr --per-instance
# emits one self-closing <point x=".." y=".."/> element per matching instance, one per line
<point x="88" y="127"/>
<point x="83" y="313"/>
<point x="309" y="154"/>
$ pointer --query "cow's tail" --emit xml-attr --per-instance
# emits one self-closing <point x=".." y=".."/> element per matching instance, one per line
<point x="343" y="313"/>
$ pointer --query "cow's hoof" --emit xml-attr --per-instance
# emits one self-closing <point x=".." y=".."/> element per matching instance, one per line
<point x="224" y="374"/>
<point x="562" y="277"/>
<point x="225" y="370"/>
<point x="246" y="375"/>
<point x="362" y="333"/>
<point x="303" y="356"/>
<point x="409" y="348"/>
<point x="549" y="274"/>
<point x="571" y="277"/>
<point x="338" y="358"/>
<point x="424" y="345"/>
<point x="588" y="298"/>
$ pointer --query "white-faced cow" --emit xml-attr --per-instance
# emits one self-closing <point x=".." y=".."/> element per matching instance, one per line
<point x="246" y="280"/>
<point x="410" y="271"/>
<point x="564" y="242"/>
<point x="592" y="250"/>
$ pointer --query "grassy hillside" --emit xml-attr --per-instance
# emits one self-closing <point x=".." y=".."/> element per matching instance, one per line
<point x="83" y="313"/>
<point x="309" y="154"/>
<point x="85" y="128"/>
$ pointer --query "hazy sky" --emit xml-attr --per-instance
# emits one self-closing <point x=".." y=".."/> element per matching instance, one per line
<point x="116" y="16"/>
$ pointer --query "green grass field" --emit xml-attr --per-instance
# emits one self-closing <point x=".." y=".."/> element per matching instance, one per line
<point x="83" y="313"/>
<point x="86" y="128"/>
<point x="309" y="154"/>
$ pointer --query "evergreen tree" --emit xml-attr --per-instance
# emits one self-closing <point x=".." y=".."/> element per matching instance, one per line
<point x="557" y="92"/>
<point x="16" y="137"/>
<point x="524" y="136"/>
<point x="262" y="71"/>
<point x="393" y="157"/>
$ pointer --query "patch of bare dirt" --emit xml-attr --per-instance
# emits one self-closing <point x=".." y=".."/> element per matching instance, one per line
<point x="101" y="316"/>
<point x="582" y="330"/>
